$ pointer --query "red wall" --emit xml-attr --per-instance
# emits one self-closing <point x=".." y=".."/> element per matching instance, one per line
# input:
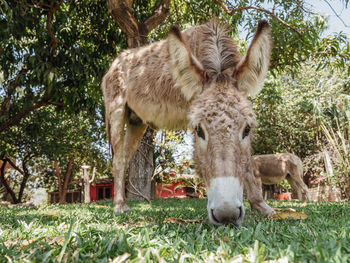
<point x="93" y="191"/>
<point x="7" y="166"/>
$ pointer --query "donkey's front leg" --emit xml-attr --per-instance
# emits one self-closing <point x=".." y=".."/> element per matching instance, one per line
<point x="254" y="195"/>
<point x="117" y="123"/>
<point x="119" y="203"/>
<point x="132" y="138"/>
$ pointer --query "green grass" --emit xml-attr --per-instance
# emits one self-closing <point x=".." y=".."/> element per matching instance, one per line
<point x="91" y="233"/>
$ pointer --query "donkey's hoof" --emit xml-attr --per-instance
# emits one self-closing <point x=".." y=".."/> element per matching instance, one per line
<point x="121" y="208"/>
<point x="264" y="209"/>
<point x="268" y="211"/>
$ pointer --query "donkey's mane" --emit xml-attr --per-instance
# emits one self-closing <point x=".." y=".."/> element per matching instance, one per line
<point x="218" y="51"/>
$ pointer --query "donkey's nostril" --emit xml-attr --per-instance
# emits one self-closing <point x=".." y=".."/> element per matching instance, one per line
<point x="240" y="212"/>
<point x="213" y="216"/>
<point x="227" y="215"/>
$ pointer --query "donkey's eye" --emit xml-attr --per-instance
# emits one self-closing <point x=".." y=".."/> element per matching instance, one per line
<point x="200" y="132"/>
<point x="246" y="131"/>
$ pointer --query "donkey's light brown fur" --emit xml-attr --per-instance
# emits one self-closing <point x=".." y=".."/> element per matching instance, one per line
<point x="273" y="168"/>
<point x="196" y="79"/>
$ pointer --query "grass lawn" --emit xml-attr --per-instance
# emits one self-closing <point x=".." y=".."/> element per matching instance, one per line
<point x="91" y="233"/>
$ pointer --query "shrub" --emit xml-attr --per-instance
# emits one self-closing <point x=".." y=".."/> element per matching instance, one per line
<point x="290" y="110"/>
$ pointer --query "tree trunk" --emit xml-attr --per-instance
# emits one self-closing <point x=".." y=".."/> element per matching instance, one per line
<point x="24" y="172"/>
<point x="59" y="180"/>
<point x="63" y="185"/>
<point x="67" y="178"/>
<point x="6" y="185"/>
<point x="141" y="170"/>
<point x="24" y="182"/>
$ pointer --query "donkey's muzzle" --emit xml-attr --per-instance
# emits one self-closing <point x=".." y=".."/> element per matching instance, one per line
<point x="227" y="215"/>
<point x="225" y="201"/>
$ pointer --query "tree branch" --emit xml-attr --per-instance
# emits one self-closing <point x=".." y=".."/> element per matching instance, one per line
<point x="24" y="180"/>
<point x="55" y="103"/>
<point x="304" y="9"/>
<point x="336" y="14"/>
<point x="240" y="9"/>
<point x="54" y="41"/>
<point x="122" y="15"/>
<point x="138" y="193"/>
<point x="24" y="113"/>
<point x="190" y="5"/>
<point x="15" y="166"/>
<point x="159" y="14"/>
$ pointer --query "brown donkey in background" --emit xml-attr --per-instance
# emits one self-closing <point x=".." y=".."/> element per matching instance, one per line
<point x="196" y="79"/>
<point x="273" y="168"/>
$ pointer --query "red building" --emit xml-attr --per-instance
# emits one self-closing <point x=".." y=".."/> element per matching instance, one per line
<point x="104" y="190"/>
<point x="100" y="191"/>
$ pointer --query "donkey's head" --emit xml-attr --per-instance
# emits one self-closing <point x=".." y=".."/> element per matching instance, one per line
<point x="222" y="119"/>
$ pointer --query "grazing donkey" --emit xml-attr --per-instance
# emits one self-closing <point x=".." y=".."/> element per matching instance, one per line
<point x="194" y="79"/>
<point x="273" y="168"/>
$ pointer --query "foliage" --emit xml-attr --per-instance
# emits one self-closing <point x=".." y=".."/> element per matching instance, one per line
<point x="291" y="108"/>
<point x="339" y="141"/>
<point x="195" y="183"/>
<point x="91" y="232"/>
<point x="284" y="183"/>
<point x="172" y="153"/>
<point x="297" y="39"/>
<point x="53" y="54"/>
<point x="172" y="159"/>
<point x="56" y="137"/>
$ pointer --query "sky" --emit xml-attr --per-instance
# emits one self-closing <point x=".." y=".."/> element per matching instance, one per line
<point x="335" y="24"/>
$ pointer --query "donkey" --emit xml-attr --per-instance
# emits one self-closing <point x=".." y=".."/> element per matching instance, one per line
<point x="195" y="80"/>
<point x="273" y="168"/>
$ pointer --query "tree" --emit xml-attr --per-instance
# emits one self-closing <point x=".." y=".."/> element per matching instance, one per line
<point x="57" y="144"/>
<point x="71" y="141"/>
<point x="22" y="171"/>
<point x="63" y="182"/>
<point x="291" y="108"/>
<point x="53" y="53"/>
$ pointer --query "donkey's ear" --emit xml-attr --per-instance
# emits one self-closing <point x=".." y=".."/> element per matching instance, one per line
<point x="187" y="71"/>
<point x="252" y="69"/>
